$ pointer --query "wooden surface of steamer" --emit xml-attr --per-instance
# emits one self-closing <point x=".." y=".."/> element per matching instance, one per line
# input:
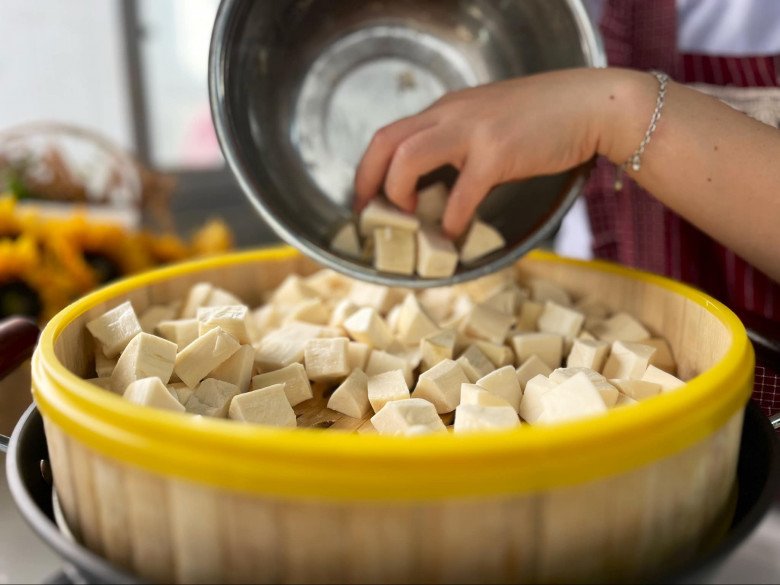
<point x="169" y="530"/>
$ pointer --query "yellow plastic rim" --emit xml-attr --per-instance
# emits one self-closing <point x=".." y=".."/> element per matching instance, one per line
<point x="321" y="464"/>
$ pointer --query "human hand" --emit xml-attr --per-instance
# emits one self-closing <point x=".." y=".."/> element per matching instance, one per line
<point x="505" y="131"/>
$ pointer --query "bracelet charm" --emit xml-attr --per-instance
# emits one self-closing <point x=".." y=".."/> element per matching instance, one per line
<point x="635" y="160"/>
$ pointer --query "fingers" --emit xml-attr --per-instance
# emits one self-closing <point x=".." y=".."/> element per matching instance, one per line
<point x="371" y="170"/>
<point x="472" y="186"/>
<point x="418" y="155"/>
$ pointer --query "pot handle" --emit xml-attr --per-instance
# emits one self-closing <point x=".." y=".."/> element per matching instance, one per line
<point x="18" y="336"/>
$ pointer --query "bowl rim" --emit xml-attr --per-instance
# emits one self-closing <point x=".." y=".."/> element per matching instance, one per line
<point x="316" y="463"/>
<point x="573" y="183"/>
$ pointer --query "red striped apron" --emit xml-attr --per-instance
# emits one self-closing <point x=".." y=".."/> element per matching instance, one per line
<point x="633" y="228"/>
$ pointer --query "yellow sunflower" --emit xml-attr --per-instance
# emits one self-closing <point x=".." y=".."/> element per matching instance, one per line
<point x="27" y="286"/>
<point x="213" y="238"/>
<point x="95" y="253"/>
<point x="45" y="263"/>
<point x="164" y="249"/>
<point x="14" y="222"/>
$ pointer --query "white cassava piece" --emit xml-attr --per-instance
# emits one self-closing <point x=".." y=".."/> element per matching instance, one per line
<point x="543" y="290"/>
<point x="395" y="250"/>
<point x="357" y="354"/>
<point x="507" y="300"/>
<point x="662" y="358"/>
<point x="637" y="389"/>
<point x="628" y="360"/>
<point x="351" y="397"/>
<point x="152" y="316"/>
<point x="531" y="405"/>
<point x="296" y="384"/>
<point x="145" y="356"/>
<point x="624" y="400"/>
<point x="474" y="363"/>
<point x="180" y="391"/>
<point x="237" y="369"/>
<point x="528" y="316"/>
<point x="441" y="385"/>
<point x="386" y="387"/>
<point x="380" y="362"/>
<point x="664" y="379"/>
<point x="197" y="296"/>
<point x="413" y="322"/>
<point x="481" y="239"/>
<point x="480" y="289"/>
<point x="284" y="346"/>
<point x="220" y="297"/>
<point x="476" y="394"/>
<point x="431" y="202"/>
<point x="503" y="383"/>
<point x="309" y="311"/>
<point x="408" y="416"/>
<point x="115" y="328"/>
<point x="587" y="353"/>
<point x="343" y="309"/>
<point x="592" y="306"/>
<point x="346" y="241"/>
<point x="475" y="417"/>
<point x="609" y="393"/>
<point x="377" y="296"/>
<point x="104" y="365"/>
<point x="265" y="406"/>
<point x="411" y="354"/>
<point x="262" y="321"/>
<point x="548" y="347"/>
<point x="485" y="322"/>
<point x="368" y="327"/>
<point x="531" y="367"/>
<point x="620" y="327"/>
<point x="437" y="256"/>
<point x="182" y="332"/>
<point x="437" y="347"/>
<point x="211" y="398"/>
<point x="151" y="392"/>
<point x="379" y="214"/>
<point x="437" y="301"/>
<point x="231" y="318"/>
<point x="292" y="291"/>
<point x="558" y="319"/>
<point x="573" y="399"/>
<point x="326" y="359"/>
<point x="194" y="362"/>
<point x="328" y="284"/>
<point x="500" y="355"/>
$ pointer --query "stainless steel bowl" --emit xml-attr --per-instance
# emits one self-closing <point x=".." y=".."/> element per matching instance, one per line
<point x="298" y="87"/>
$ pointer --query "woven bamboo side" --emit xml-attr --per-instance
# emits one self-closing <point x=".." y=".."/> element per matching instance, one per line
<point x="167" y="530"/>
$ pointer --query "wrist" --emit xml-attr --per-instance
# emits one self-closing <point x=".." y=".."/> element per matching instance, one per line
<point x="625" y="121"/>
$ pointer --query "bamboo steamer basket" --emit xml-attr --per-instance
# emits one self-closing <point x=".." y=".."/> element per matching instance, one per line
<point x="611" y="498"/>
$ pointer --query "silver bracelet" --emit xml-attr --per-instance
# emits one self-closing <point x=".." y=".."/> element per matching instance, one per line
<point x="635" y="160"/>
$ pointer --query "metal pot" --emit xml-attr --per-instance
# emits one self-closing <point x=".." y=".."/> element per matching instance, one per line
<point x="298" y="88"/>
<point x="758" y="476"/>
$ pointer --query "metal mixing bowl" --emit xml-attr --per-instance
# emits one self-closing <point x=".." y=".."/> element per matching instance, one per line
<point x="298" y="87"/>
